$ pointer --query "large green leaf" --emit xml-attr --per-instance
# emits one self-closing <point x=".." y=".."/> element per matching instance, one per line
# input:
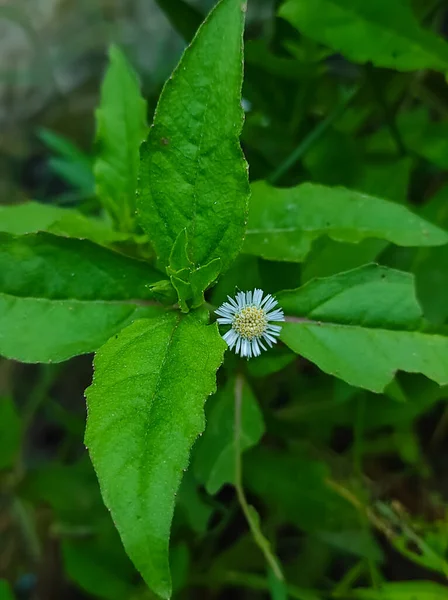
<point x="283" y="223"/>
<point x="193" y="174"/>
<point x="47" y="266"/>
<point x="404" y="590"/>
<point x="145" y="411"/>
<point x="214" y="456"/>
<point x="387" y="35"/>
<point x="362" y="326"/>
<point x="121" y="128"/>
<point x="60" y="297"/>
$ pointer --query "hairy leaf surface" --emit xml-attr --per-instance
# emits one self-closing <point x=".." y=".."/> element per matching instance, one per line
<point x="362" y="326"/>
<point x="145" y="412"/>
<point x="283" y="223"/>
<point x="60" y="297"/>
<point x="193" y="174"/>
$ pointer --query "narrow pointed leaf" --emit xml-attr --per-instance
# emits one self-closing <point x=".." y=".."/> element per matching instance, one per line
<point x="60" y="297"/>
<point x="362" y="326"/>
<point x="283" y="222"/>
<point x="389" y="36"/>
<point x="145" y="412"/>
<point x="121" y="128"/>
<point x="193" y="174"/>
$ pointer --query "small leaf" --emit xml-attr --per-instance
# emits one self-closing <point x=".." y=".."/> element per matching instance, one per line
<point x="214" y="457"/>
<point x="10" y="432"/>
<point x="362" y="326"/>
<point x="388" y="36"/>
<point x="179" y="254"/>
<point x="283" y="223"/>
<point x="146" y="402"/>
<point x="202" y="278"/>
<point x="190" y="283"/>
<point x="121" y="128"/>
<point x="60" y="297"/>
<point x="193" y="174"/>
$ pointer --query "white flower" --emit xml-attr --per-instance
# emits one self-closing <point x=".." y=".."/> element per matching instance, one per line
<point x="250" y="316"/>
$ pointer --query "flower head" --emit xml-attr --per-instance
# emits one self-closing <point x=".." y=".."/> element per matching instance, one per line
<point x="250" y="316"/>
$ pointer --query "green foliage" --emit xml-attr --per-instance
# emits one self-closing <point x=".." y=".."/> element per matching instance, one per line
<point x="32" y="217"/>
<point x="214" y="458"/>
<point x="121" y="128"/>
<point x="365" y="31"/>
<point x="362" y="326"/>
<point x="141" y="403"/>
<point x="193" y="175"/>
<point x="313" y="471"/>
<point x="283" y="223"/>
<point x="87" y="293"/>
<point x="424" y="590"/>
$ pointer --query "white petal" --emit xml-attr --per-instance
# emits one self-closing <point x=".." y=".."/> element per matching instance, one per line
<point x="276" y="315"/>
<point x="225" y="320"/>
<point x="258" y="296"/>
<point x="238" y="345"/>
<point x="270" y="304"/>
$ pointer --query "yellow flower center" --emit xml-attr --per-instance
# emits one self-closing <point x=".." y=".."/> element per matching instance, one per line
<point x="250" y="322"/>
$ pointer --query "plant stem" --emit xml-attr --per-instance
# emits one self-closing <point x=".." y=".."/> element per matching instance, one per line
<point x="357" y="464"/>
<point x="248" y="511"/>
<point x="313" y="136"/>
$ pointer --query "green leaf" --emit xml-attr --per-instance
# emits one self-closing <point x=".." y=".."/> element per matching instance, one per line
<point x="404" y="590"/>
<point x="10" y="432"/>
<point x="296" y="486"/>
<point x="193" y="174"/>
<point x="190" y="283"/>
<point x="60" y="297"/>
<point x="47" y="266"/>
<point x="146" y="402"/>
<point x="121" y="128"/>
<point x="214" y="456"/>
<point x="283" y="223"/>
<point x="5" y="590"/>
<point x="32" y="217"/>
<point x="362" y="326"/>
<point x="389" y="36"/>
<point x="191" y="505"/>
<point x="95" y="570"/>
<point x="72" y="164"/>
